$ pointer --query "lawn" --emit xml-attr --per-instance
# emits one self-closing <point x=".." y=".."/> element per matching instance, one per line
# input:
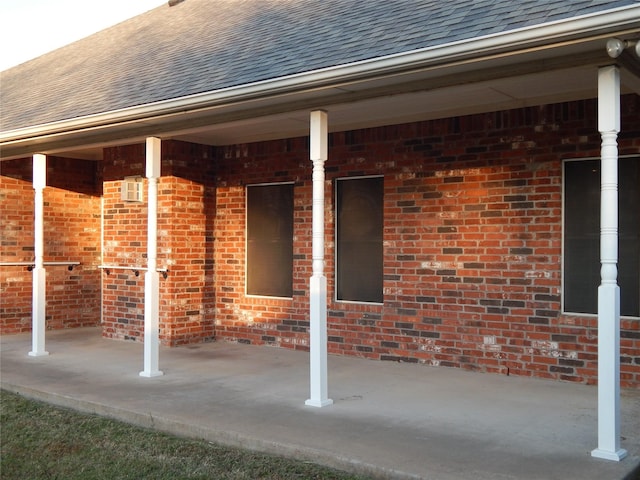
<point x="40" y="441"/>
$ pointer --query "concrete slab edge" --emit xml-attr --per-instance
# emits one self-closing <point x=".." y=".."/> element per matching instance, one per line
<point x="232" y="439"/>
<point x="634" y="474"/>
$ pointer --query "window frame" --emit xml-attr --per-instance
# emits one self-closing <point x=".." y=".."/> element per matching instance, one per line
<point x="336" y="249"/>
<point x="563" y="308"/>
<point x="247" y="239"/>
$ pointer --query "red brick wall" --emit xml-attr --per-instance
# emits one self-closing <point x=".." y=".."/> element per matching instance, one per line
<point x="186" y="215"/>
<point x="472" y="262"/>
<point x="259" y="320"/>
<point x="16" y="242"/>
<point x="71" y="233"/>
<point x="185" y="220"/>
<point x="124" y="244"/>
<point x="472" y="243"/>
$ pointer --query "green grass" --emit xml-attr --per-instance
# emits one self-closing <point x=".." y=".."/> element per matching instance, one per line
<point x="40" y="441"/>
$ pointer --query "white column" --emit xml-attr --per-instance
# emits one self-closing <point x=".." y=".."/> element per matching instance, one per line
<point x="318" y="281"/>
<point x="38" y="310"/>
<point x="609" y="291"/>
<point x="152" y="277"/>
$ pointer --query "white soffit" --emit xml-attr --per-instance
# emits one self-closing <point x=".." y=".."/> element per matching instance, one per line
<point x="502" y="94"/>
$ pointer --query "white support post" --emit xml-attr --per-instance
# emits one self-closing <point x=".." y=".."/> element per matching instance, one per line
<point x="152" y="276"/>
<point x="609" y="291"/>
<point x="318" y="281"/>
<point x="38" y="326"/>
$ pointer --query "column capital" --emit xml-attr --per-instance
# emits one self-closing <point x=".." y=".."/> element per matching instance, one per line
<point x="609" y="99"/>
<point x="39" y="171"/>
<point x="318" y="142"/>
<point x="153" y="157"/>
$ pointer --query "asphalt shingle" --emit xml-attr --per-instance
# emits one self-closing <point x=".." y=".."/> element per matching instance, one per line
<point x="200" y="45"/>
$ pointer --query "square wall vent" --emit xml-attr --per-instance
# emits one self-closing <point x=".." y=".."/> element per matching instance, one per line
<point x="131" y="190"/>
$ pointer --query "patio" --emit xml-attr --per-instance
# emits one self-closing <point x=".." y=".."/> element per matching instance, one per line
<point x="389" y="420"/>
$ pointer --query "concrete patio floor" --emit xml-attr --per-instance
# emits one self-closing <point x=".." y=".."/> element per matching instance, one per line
<point x="389" y="420"/>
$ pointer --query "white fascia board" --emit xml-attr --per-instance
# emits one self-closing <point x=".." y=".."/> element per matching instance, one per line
<point x="600" y="23"/>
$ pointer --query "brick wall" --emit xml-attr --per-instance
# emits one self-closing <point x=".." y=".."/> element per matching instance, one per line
<point x="71" y="233"/>
<point x="124" y="245"/>
<point x="259" y="320"/>
<point x="472" y="243"/>
<point x="185" y="221"/>
<point x="186" y="215"/>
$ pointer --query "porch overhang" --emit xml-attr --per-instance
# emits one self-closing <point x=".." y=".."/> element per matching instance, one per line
<point x="554" y="62"/>
<point x="534" y="65"/>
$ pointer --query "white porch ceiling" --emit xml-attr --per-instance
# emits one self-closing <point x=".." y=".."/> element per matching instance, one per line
<point x="401" y="108"/>
<point x="494" y="95"/>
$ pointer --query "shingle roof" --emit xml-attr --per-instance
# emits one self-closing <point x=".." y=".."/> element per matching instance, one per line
<point x="201" y="45"/>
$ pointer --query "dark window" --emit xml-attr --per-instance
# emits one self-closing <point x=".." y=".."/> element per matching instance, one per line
<point x="359" y="205"/>
<point x="582" y="236"/>
<point x="270" y="240"/>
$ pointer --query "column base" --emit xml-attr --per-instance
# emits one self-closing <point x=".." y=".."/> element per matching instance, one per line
<point x="318" y="403"/>
<point x="608" y="455"/>
<point x="157" y="373"/>
<point x="38" y="354"/>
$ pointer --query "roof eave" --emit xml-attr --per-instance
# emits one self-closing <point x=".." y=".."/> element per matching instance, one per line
<point x="586" y="27"/>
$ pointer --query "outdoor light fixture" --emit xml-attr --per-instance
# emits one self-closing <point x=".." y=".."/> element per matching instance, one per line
<point x="615" y="47"/>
